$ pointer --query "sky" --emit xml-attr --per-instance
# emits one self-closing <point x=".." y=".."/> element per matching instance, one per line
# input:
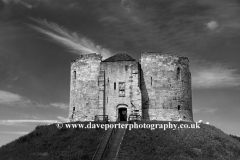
<point x="38" y="39"/>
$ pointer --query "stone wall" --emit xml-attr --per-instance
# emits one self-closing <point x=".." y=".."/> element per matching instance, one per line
<point x="166" y="87"/>
<point x="84" y="87"/>
<point x="159" y="88"/>
<point x="125" y="73"/>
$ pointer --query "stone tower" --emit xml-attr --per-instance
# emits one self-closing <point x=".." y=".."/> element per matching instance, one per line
<point x="159" y="88"/>
<point x="84" y="88"/>
<point x="166" y="87"/>
<point x="122" y="86"/>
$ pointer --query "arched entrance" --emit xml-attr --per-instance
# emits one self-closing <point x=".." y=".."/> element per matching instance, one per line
<point x="122" y="112"/>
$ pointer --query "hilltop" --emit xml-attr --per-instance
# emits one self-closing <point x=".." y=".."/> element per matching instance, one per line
<point x="48" y="142"/>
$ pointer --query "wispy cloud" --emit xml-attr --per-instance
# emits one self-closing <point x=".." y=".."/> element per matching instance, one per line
<point x="205" y="110"/>
<point x="214" y="75"/>
<point x="23" y="122"/>
<point x="60" y="105"/>
<point x="29" y="6"/>
<point x="127" y="5"/>
<point x="16" y="100"/>
<point x="227" y="13"/>
<point x="63" y="119"/>
<point x="77" y="44"/>
<point x="8" y="97"/>
<point x="212" y="25"/>
<point x="21" y="133"/>
<point x="17" y="122"/>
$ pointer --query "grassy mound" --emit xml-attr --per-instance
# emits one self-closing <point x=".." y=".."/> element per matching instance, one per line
<point x="48" y="142"/>
<point x="206" y="143"/>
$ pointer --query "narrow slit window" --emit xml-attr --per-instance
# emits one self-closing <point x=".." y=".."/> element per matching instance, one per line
<point x="107" y="99"/>
<point x="178" y="73"/>
<point x="114" y="85"/>
<point x="73" y="109"/>
<point x="151" y="81"/>
<point x="178" y="107"/>
<point x="75" y="74"/>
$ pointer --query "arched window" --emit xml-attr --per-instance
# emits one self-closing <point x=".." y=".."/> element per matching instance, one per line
<point x="178" y="73"/>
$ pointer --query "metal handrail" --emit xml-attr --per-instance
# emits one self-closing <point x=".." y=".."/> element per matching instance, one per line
<point x="108" y="143"/>
<point x="103" y="117"/>
<point x="99" y="145"/>
<point x="134" y="117"/>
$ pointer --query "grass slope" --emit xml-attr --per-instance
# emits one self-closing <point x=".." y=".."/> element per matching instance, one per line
<point x="48" y="142"/>
<point x="206" y="143"/>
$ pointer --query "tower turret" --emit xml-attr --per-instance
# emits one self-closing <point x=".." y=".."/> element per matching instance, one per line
<point x="166" y="87"/>
<point x="84" y="87"/>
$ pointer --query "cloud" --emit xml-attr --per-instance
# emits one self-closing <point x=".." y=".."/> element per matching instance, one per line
<point x="17" y="122"/>
<point x="159" y="25"/>
<point x="127" y="5"/>
<point x="109" y="19"/>
<point x="134" y="24"/>
<point x="21" y="133"/>
<point x="80" y="45"/>
<point x="20" y="2"/>
<point x="205" y="110"/>
<point x="8" y="97"/>
<point x="25" y="4"/>
<point x="207" y="75"/>
<point x="212" y="25"/>
<point x="227" y="14"/>
<point x="63" y="119"/>
<point x="60" y="105"/>
<point x="16" y="100"/>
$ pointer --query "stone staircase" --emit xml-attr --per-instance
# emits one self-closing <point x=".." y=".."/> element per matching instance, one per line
<point x="110" y="144"/>
<point x="115" y="143"/>
<point x="102" y="146"/>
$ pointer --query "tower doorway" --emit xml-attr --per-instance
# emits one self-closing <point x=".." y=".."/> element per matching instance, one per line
<point x="122" y="114"/>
